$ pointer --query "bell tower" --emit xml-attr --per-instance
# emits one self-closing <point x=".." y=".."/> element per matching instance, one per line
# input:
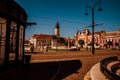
<point x="57" y="29"/>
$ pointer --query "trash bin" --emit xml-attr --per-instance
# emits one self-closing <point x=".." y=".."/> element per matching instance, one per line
<point x="27" y="59"/>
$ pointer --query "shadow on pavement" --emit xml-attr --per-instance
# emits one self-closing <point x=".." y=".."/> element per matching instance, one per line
<point x="42" y="71"/>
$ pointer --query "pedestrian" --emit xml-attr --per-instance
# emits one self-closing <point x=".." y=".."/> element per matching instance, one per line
<point x="32" y="48"/>
<point x="46" y="49"/>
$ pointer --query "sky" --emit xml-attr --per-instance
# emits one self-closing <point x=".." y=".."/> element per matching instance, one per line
<point x="70" y="14"/>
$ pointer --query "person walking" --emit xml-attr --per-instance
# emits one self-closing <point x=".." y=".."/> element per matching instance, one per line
<point x="46" y="49"/>
<point x="32" y="48"/>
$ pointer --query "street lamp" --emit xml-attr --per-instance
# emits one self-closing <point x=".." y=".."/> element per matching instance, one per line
<point x="92" y="9"/>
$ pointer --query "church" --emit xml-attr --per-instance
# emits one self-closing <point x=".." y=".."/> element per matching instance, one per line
<point x="41" y="40"/>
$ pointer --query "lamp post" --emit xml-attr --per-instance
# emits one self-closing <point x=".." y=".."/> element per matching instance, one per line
<point x="92" y="9"/>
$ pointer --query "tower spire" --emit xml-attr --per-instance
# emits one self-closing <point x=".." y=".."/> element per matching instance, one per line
<point x="57" y="29"/>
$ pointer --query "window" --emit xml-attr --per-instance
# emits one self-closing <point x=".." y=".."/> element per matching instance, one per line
<point x="2" y="39"/>
<point x="21" y="42"/>
<point x="13" y="34"/>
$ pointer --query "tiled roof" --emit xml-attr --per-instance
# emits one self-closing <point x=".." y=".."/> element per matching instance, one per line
<point x="42" y="36"/>
<point x="98" y="32"/>
<point x="111" y="34"/>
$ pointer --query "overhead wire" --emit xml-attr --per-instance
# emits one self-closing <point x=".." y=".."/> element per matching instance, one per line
<point x="64" y="20"/>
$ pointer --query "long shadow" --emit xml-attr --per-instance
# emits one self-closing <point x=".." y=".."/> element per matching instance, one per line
<point x="67" y="68"/>
<point x="42" y="71"/>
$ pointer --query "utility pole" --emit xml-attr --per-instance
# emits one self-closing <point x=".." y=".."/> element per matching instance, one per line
<point x="92" y="8"/>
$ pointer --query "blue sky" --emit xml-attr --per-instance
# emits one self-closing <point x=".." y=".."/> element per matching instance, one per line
<point x="70" y="14"/>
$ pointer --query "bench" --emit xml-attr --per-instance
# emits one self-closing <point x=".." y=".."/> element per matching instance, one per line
<point x="108" y="73"/>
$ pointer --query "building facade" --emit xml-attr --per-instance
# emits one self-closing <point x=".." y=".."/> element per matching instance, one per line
<point x="13" y="20"/>
<point x="100" y="37"/>
<point x="41" y="40"/>
<point x="113" y="37"/>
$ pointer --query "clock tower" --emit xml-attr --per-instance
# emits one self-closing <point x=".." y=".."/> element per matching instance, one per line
<point x="57" y="29"/>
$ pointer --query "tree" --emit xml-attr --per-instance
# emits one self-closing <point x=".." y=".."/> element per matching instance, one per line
<point x="109" y="43"/>
<point x="116" y="44"/>
<point x="60" y="40"/>
<point x="81" y="42"/>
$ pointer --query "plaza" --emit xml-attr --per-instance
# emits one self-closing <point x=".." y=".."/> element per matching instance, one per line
<point x="66" y="57"/>
<point x="61" y="65"/>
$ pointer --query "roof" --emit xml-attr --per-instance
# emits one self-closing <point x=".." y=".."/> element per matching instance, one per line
<point x="42" y="36"/>
<point x="98" y="32"/>
<point x="15" y="12"/>
<point x="115" y="33"/>
<point x="57" y="25"/>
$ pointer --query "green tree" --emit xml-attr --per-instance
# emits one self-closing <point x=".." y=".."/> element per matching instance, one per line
<point x="60" y="40"/>
<point x="116" y="44"/>
<point x="109" y="43"/>
<point x="81" y="42"/>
